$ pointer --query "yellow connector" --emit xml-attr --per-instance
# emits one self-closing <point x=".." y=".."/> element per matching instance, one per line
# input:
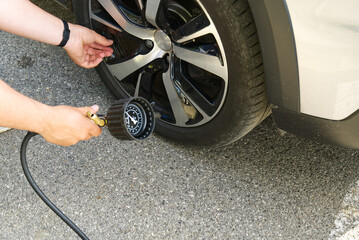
<point x="101" y="122"/>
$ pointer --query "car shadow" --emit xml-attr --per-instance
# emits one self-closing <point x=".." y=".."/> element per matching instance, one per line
<point x="291" y="185"/>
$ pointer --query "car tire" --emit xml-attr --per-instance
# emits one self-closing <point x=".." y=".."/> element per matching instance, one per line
<point x="242" y="102"/>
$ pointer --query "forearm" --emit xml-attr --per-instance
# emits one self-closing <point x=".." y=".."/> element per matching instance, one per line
<point x="62" y="125"/>
<point x="21" y="112"/>
<point x="23" y="18"/>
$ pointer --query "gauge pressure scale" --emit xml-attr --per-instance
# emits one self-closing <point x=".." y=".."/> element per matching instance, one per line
<point x="131" y="118"/>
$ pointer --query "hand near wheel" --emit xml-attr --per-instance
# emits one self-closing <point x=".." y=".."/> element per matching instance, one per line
<point x="84" y="46"/>
<point x="87" y="48"/>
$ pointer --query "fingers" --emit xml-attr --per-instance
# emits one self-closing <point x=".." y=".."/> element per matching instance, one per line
<point x="96" y="49"/>
<point x="91" y="64"/>
<point x="92" y="61"/>
<point x="102" y="40"/>
<point x="100" y="47"/>
<point x="94" y="54"/>
<point x="95" y="62"/>
<point x="86" y="47"/>
<point x="93" y="51"/>
<point x="94" y="130"/>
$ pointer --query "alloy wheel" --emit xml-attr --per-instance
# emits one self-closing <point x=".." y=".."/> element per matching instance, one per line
<point x="168" y="52"/>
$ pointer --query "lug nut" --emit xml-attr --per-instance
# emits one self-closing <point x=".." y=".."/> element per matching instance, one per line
<point x="149" y="43"/>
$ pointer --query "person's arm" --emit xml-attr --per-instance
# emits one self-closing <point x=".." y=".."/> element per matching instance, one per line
<point x="62" y="125"/>
<point x="21" y="17"/>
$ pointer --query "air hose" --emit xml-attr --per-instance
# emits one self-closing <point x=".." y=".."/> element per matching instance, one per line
<point x="127" y="119"/>
<point x="38" y="191"/>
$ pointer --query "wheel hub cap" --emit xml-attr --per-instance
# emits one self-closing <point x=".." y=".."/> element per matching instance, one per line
<point x="162" y="40"/>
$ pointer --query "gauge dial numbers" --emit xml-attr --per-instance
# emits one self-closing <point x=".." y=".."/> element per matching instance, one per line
<point x="135" y="118"/>
<point x="131" y="119"/>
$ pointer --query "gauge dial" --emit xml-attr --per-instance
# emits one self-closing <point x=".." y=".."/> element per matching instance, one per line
<point x="131" y="119"/>
<point x="135" y="118"/>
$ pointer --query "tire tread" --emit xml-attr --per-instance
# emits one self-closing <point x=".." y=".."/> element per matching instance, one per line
<point x="258" y="107"/>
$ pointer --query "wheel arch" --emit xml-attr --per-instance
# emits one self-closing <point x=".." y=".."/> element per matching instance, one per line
<point x="277" y="42"/>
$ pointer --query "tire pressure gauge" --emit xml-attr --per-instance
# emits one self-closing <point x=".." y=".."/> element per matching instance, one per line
<point x="131" y="119"/>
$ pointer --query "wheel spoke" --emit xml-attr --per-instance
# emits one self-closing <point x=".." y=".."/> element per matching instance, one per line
<point x="197" y="27"/>
<point x="152" y="9"/>
<point x="200" y="33"/>
<point x="207" y="62"/>
<point x="139" y="4"/>
<point x="105" y="22"/>
<point x="174" y="99"/>
<point x="124" y="23"/>
<point x="199" y="108"/>
<point x="123" y="69"/>
<point x="194" y="96"/>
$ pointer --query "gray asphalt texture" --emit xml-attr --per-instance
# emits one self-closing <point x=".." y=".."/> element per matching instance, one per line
<point x="265" y="186"/>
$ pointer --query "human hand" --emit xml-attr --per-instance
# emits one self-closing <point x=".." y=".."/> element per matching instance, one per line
<point x="67" y="125"/>
<point x="86" y="47"/>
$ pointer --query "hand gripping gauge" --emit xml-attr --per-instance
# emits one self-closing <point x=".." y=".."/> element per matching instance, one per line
<point x="127" y="119"/>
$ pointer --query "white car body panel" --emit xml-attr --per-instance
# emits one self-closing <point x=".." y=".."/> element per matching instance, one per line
<point x="327" y="42"/>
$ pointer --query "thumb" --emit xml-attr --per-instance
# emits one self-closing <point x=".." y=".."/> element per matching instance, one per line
<point x="92" y="109"/>
<point x="95" y="130"/>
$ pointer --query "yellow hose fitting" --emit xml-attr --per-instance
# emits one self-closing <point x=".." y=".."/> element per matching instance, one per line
<point x="101" y="122"/>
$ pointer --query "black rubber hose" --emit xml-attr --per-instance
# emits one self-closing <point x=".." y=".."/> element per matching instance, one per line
<point x="38" y="191"/>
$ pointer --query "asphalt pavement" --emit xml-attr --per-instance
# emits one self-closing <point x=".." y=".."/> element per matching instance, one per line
<point x="265" y="186"/>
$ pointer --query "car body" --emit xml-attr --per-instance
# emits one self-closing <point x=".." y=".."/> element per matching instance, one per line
<point x="311" y="60"/>
<point x="310" y="55"/>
